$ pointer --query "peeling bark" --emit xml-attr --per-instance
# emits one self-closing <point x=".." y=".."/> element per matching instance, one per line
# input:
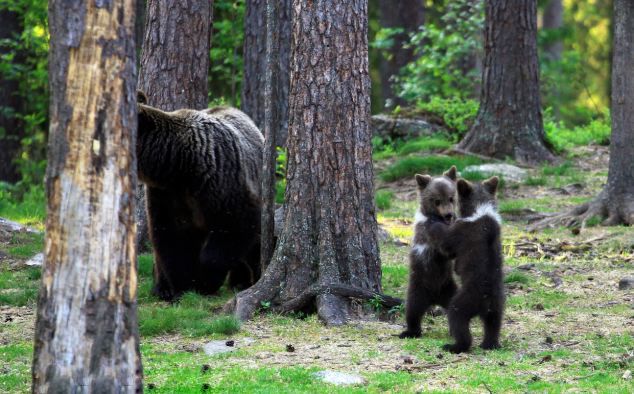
<point x="615" y="203"/>
<point x="86" y="332"/>
<point x="509" y="122"/>
<point x="330" y="228"/>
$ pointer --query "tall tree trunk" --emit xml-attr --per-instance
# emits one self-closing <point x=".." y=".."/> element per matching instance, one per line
<point x="254" y="86"/>
<point x="174" y="66"/>
<point x="408" y="15"/>
<point x="11" y="104"/>
<point x="139" y="27"/>
<point x="615" y="203"/>
<point x="86" y="331"/>
<point x="553" y="19"/>
<point x="329" y="236"/>
<point x="175" y="55"/>
<point x="509" y="122"/>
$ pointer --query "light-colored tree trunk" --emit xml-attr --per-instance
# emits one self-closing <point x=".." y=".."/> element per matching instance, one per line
<point x="86" y="336"/>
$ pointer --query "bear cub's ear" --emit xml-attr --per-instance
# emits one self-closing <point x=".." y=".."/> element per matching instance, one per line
<point x="451" y="173"/>
<point x="141" y="98"/>
<point x="422" y="180"/>
<point x="464" y="187"/>
<point x="491" y="184"/>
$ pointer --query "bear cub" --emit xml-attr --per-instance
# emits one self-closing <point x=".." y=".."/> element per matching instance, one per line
<point x="475" y="242"/>
<point x="430" y="280"/>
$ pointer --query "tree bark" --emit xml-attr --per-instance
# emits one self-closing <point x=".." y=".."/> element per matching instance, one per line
<point x="553" y="19"/>
<point x="86" y="335"/>
<point x="253" y="85"/>
<point x="330" y="228"/>
<point x="408" y="15"/>
<point x="615" y="203"/>
<point x="11" y="104"/>
<point x="174" y="66"/>
<point x="509" y="122"/>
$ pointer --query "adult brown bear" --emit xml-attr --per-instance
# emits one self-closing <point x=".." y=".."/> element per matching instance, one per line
<point x="202" y="173"/>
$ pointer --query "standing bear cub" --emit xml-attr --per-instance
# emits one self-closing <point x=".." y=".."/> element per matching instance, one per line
<point x="474" y="241"/>
<point x="430" y="280"/>
<point x="202" y="173"/>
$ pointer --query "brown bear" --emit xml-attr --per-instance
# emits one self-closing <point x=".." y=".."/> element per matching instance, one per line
<point x="475" y="242"/>
<point x="430" y="280"/>
<point x="202" y="173"/>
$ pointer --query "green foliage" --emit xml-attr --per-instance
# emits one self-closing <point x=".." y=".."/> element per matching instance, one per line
<point x="456" y="113"/>
<point x="26" y="61"/>
<point x="516" y="277"/>
<point x="412" y="165"/>
<point x="561" y="169"/>
<point x="225" y="76"/>
<point x="384" y="199"/>
<point x="28" y="208"/>
<point x="280" y="172"/>
<point x="440" y="69"/>
<point x="424" y="144"/>
<point x="536" y="181"/>
<point x="562" y="138"/>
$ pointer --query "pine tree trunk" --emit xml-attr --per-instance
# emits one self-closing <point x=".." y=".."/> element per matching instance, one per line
<point x="329" y="236"/>
<point x="11" y="128"/>
<point x="253" y="86"/>
<point x="86" y="335"/>
<point x="509" y="122"/>
<point x="553" y="19"/>
<point x="620" y="187"/>
<point x="410" y="16"/>
<point x="174" y="67"/>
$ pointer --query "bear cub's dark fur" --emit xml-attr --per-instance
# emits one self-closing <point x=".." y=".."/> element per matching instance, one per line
<point x="475" y="242"/>
<point x="430" y="280"/>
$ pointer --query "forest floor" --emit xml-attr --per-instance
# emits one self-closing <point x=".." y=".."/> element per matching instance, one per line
<point x="567" y="326"/>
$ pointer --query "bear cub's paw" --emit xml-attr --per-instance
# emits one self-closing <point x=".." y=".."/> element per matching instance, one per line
<point x="410" y="334"/>
<point x="490" y="345"/>
<point x="455" y="348"/>
<point x="165" y="292"/>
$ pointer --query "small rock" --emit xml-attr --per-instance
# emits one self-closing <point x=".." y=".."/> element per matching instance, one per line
<point x="339" y="378"/>
<point x="217" y="347"/>
<point x="627" y="375"/>
<point x="408" y="360"/>
<point x="230" y="343"/>
<point x="151" y="386"/>
<point x="400" y="127"/>
<point x="526" y="267"/>
<point x="538" y="307"/>
<point x="549" y="340"/>
<point x="626" y="283"/>
<point x="509" y="172"/>
<point x="36" y="261"/>
<point x="205" y="368"/>
<point x="290" y="348"/>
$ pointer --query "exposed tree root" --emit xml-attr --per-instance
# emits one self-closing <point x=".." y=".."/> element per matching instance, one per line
<point x="578" y="217"/>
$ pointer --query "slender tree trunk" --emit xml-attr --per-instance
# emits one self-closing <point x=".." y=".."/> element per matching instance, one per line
<point x="408" y="15"/>
<point x="615" y="203"/>
<point x="254" y="86"/>
<point x="509" y="121"/>
<point x="553" y="19"/>
<point x="86" y="334"/>
<point x="174" y="66"/>
<point x="329" y="236"/>
<point x="11" y="104"/>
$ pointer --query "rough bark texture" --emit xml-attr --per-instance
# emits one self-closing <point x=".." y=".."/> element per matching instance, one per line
<point x="11" y="128"/>
<point x="509" y="121"/>
<point x="330" y="229"/>
<point x="553" y="19"/>
<point x="408" y="15"/>
<point x="616" y="202"/>
<point x="271" y="116"/>
<point x="174" y="66"/>
<point x="253" y="85"/>
<point x="86" y="336"/>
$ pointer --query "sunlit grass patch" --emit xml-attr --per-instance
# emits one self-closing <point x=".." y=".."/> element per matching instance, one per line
<point x="435" y="165"/>
<point x="424" y="144"/>
<point x="383" y="199"/>
<point x="19" y="287"/>
<point x="28" y="209"/>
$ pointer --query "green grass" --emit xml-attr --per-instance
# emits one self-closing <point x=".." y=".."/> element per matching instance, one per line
<point x="562" y="138"/>
<point x="409" y="166"/>
<point x="517" y="277"/>
<point x="536" y="181"/>
<point x="384" y="199"/>
<point x="424" y="144"/>
<point x="563" y="169"/>
<point x="28" y="209"/>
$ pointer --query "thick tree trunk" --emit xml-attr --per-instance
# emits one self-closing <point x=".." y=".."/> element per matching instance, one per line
<point x="175" y="55"/>
<point x="174" y="66"/>
<point x="86" y="333"/>
<point x="11" y="128"/>
<point x="329" y="235"/>
<point x="509" y="121"/>
<point x="616" y="202"/>
<point x="139" y="27"/>
<point x="408" y="15"/>
<point x="553" y="19"/>
<point x="254" y="86"/>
